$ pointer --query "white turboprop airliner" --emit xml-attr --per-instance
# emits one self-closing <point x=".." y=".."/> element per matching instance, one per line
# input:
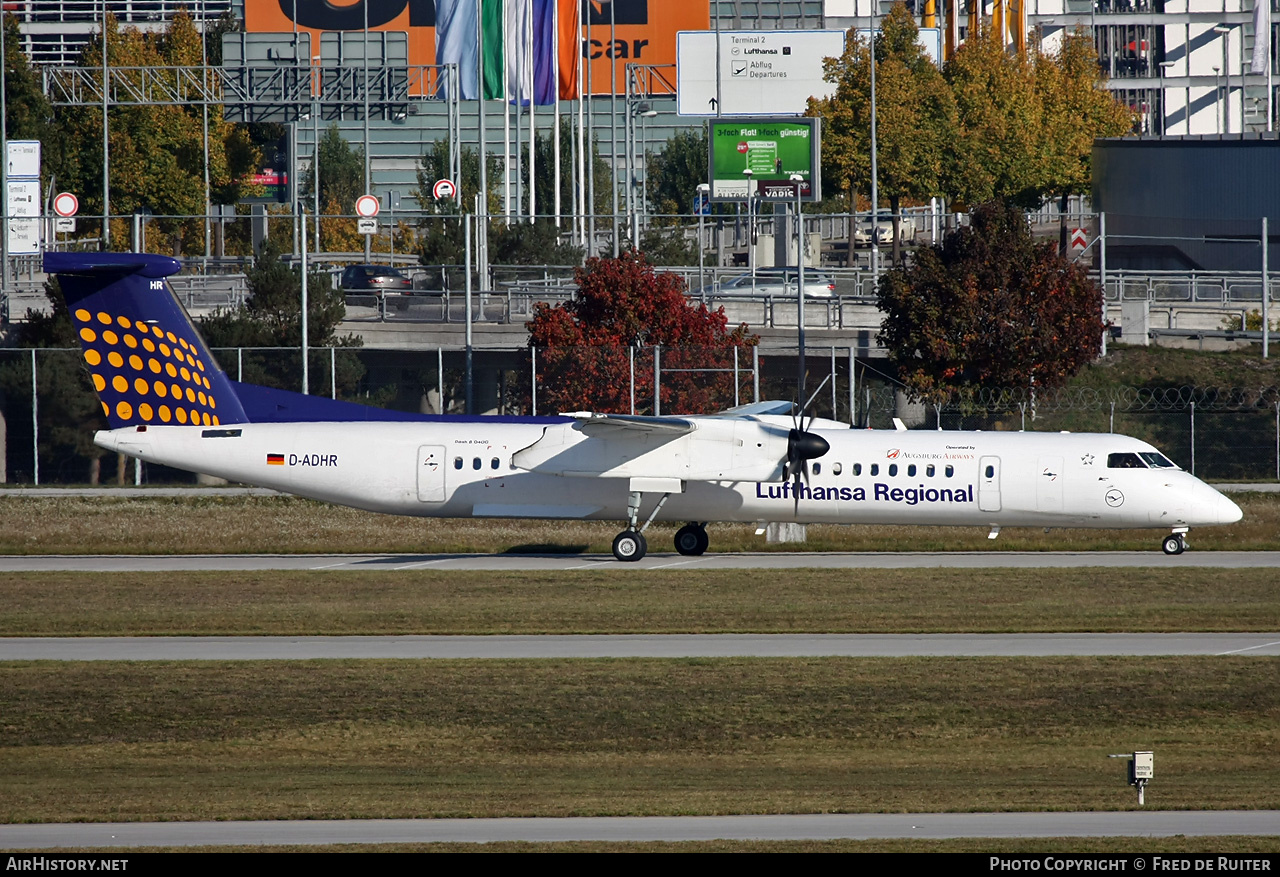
<point x="168" y="402"/>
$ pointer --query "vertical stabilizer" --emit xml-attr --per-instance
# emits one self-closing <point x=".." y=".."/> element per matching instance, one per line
<point x="148" y="363"/>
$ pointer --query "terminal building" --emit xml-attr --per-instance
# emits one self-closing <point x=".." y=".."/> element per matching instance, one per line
<point x="1187" y="67"/>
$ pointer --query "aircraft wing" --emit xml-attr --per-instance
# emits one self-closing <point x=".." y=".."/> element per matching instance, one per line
<point x="622" y="426"/>
<point x="735" y="448"/>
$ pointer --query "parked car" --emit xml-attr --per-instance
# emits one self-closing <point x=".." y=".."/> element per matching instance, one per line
<point x="380" y="278"/>
<point x="883" y="226"/>
<point x="778" y="282"/>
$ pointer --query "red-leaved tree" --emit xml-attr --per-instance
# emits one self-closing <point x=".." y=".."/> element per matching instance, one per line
<point x="989" y="307"/>
<point x="623" y="309"/>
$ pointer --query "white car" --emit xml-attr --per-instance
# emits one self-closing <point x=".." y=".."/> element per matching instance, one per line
<point x="778" y="282"/>
<point x="883" y="229"/>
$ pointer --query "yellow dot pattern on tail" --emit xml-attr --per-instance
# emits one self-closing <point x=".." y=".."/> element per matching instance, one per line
<point x="121" y="376"/>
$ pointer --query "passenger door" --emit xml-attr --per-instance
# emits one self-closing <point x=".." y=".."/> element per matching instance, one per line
<point x="989" y="484"/>
<point x="431" y="470"/>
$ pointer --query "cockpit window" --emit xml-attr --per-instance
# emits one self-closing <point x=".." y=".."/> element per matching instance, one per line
<point x="1125" y="461"/>
<point x="1157" y="461"/>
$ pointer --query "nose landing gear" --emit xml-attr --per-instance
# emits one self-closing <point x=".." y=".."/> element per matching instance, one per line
<point x="1175" y="542"/>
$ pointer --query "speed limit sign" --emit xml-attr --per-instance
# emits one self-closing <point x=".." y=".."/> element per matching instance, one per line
<point x="444" y="189"/>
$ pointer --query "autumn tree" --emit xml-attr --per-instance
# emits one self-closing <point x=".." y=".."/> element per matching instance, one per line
<point x="989" y="306"/>
<point x="915" y="118"/>
<point x="157" y="153"/>
<point x="1027" y="121"/>
<point x="584" y="345"/>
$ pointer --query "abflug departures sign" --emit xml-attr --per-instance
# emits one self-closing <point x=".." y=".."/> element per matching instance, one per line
<point x="772" y="149"/>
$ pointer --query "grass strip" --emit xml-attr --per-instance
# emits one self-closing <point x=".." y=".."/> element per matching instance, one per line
<point x="634" y="601"/>
<point x="365" y="739"/>
<point x="287" y="525"/>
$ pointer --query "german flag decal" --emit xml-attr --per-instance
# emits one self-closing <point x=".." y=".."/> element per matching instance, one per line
<point x="275" y="459"/>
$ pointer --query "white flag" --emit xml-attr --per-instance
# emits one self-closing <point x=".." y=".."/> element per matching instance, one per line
<point x="1261" y="37"/>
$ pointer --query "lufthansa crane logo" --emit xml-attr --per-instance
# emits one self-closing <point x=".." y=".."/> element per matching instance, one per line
<point x="1114" y="498"/>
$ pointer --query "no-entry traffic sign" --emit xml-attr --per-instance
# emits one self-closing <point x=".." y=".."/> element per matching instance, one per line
<point x="443" y="189"/>
<point x="367" y="206"/>
<point x="65" y="204"/>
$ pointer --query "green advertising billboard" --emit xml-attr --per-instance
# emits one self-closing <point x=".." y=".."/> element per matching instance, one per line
<point x="748" y="155"/>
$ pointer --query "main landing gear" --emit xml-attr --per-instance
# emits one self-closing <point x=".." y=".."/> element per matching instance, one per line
<point x="692" y="539"/>
<point x="1175" y="542"/>
<point x="630" y="544"/>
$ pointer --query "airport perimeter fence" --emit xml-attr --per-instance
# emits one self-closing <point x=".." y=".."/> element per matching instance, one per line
<point x="48" y="411"/>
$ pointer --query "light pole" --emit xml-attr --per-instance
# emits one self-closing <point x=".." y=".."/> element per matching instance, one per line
<point x="1164" y="69"/>
<point x="751" y="228"/>
<point x="875" y="189"/>
<point x="1226" y="71"/>
<point x="1217" y="96"/>
<point x="700" y="204"/>
<point x="796" y="180"/>
<point x="635" y="163"/>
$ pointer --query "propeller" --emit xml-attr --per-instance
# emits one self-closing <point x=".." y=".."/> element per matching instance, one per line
<point x="803" y="446"/>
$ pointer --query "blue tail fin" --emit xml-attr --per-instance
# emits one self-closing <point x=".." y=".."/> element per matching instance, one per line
<point x="148" y="362"/>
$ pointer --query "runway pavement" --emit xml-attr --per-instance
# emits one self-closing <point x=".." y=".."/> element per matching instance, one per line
<point x="854" y="826"/>
<point x="297" y="648"/>
<point x="561" y="562"/>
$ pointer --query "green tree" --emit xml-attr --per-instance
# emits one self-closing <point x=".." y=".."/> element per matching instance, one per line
<point x="915" y="119"/>
<point x="341" y="172"/>
<point x="583" y="344"/>
<point x="272" y="318"/>
<point x="990" y="306"/>
<point x="157" y="154"/>
<point x="69" y="410"/>
<point x="673" y="174"/>
<point x="28" y="114"/>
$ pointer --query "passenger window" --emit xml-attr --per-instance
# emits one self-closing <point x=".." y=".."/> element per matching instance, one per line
<point x="457" y="462"/>
<point x="951" y="470"/>
<point x="893" y="470"/>
<point x="493" y="464"/>
<point x="857" y="469"/>
<point x="875" y="468"/>
<point x="991" y="471"/>
<point x="475" y="463"/>
<point x="835" y="469"/>
<point x="1125" y="461"/>
<point x="928" y="470"/>
<point x="817" y="468"/>
<point x="911" y="471"/>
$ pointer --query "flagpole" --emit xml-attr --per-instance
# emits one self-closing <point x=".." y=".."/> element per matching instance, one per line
<point x="613" y="124"/>
<point x="581" y="193"/>
<point x="529" y="57"/>
<point x="555" y="98"/>
<point x="506" y="116"/>
<point x="591" y="145"/>
<point x="484" y="176"/>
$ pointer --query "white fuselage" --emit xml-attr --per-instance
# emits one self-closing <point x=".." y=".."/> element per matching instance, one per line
<point x="468" y="469"/>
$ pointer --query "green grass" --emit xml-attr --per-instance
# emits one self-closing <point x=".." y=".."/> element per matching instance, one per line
<point x="634" y="601"/>
<point x="287" y="525"/>
<point x="336" y="739"/>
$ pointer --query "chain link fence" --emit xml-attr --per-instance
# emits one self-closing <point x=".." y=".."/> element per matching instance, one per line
<point x="48" y="411"/>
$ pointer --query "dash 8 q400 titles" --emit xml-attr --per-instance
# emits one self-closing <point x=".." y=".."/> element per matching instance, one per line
<point x="167" y="401"/>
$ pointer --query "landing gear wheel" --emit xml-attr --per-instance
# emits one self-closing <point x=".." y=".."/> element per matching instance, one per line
<point x="629" y="546"/>
<point x="1174" y="543"/>
<point x="692" y="540"/>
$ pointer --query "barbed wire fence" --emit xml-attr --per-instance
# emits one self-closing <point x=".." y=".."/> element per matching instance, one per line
<point x="48" y="411"/>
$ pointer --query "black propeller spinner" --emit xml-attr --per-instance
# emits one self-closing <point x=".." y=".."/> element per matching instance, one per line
<point x="803" y="446"/>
